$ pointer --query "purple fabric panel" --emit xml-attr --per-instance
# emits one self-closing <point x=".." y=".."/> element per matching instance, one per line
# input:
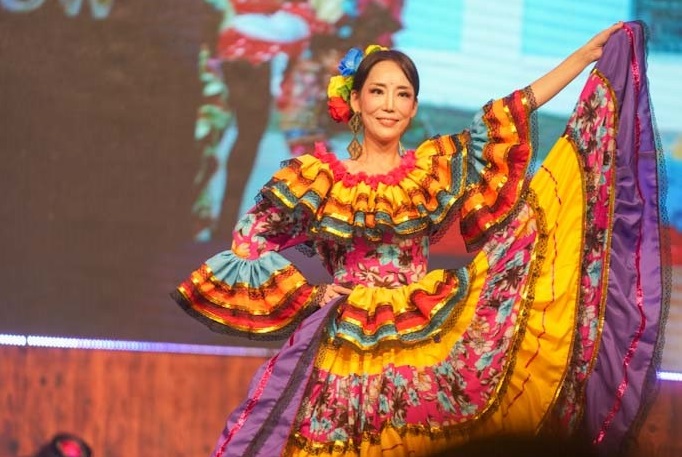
<point x="650" y="252"/>
<point x="607" y="374"/>
<point x="641" y="365"/>
<point x="649" y="183"/>
<point x="635" y="253"/>
<point x="268" y="424"/>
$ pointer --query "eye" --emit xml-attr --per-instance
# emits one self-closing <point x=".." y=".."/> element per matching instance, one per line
<point x="376" y="90"/>
<point x="405" y="94"/>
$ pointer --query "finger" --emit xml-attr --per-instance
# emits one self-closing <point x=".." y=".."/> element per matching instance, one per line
<point x="330" y="295"/>
<point x="326" y="300"/>
<point x="341" y="290"/>
<point x="614" y="28"/>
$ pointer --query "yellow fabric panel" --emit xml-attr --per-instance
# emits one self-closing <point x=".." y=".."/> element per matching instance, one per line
<point x="547" y="344"/>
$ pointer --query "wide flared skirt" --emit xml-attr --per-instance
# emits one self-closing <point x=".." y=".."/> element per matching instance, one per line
<point x="555" y="325"/>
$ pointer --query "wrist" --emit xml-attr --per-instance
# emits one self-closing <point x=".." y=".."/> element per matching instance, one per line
<point x="583" y="57"/>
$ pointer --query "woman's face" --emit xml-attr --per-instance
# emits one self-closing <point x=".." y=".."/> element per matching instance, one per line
<point x="386" y="101"/>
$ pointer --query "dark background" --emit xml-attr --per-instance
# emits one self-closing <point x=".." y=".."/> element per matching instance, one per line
<point x="96" y="140"/>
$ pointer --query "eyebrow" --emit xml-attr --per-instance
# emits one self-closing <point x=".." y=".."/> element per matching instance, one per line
<point x="385" y="85"/>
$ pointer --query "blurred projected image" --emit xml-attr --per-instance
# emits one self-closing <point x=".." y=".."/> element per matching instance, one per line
<point x="265" y="65"/>
<point x="270" y="54"/>
<point x="99" y="9"/>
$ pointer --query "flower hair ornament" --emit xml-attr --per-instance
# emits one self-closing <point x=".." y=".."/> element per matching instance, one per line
<point x="338" y="94"/>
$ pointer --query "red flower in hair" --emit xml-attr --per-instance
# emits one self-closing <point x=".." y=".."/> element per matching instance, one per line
<point x="339" y="109"/>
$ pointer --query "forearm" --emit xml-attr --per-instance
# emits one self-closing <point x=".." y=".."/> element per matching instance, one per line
<point x="547" y="86"/>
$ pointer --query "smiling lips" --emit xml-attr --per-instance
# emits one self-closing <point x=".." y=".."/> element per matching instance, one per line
<point x="388" y="122"/>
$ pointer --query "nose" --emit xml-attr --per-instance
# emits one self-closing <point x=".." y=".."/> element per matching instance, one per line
<point x="389" y="102"/>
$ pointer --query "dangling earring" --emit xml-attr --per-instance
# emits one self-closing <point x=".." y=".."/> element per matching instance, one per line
<point x="355" y="124"/>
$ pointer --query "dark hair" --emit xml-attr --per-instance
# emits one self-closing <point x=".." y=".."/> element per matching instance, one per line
<point x="404" y="62"/>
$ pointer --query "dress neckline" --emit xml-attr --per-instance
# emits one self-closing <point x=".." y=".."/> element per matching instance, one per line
<point x="350" y="179"/>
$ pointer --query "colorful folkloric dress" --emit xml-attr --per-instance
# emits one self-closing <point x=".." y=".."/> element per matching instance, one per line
<point x="554" y="325"/>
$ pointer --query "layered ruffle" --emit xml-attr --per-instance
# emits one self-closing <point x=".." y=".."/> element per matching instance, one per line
<point x="503" y="143"/>
<point x="263" y="298"/>
<point x="408" y="315"/>
<point x="482" y="172"/>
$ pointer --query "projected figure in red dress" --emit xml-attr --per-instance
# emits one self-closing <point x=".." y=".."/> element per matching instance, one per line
<point x="238" y="88"/>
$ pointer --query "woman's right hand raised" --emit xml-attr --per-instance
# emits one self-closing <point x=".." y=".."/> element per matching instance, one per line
<point x="547" y="86"/>
<point x="592" y="50"/>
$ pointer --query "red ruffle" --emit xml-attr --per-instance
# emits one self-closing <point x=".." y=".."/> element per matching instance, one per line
<point x="349" y="179"/>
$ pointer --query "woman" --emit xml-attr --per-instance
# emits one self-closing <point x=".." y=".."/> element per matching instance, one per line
<point x="393" y="360"/>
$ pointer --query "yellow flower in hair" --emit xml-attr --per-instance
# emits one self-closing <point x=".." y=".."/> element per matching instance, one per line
<point x="339" y="86"/>
<point x="373" y="48"/>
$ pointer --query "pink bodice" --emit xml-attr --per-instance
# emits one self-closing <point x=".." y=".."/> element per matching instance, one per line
<point x="391" y="264"/>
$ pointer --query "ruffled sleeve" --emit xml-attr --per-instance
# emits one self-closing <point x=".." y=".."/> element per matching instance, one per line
<point x="483" y="171"/>
<point x="500" y="146"/>
<point x="252" y="290"/>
